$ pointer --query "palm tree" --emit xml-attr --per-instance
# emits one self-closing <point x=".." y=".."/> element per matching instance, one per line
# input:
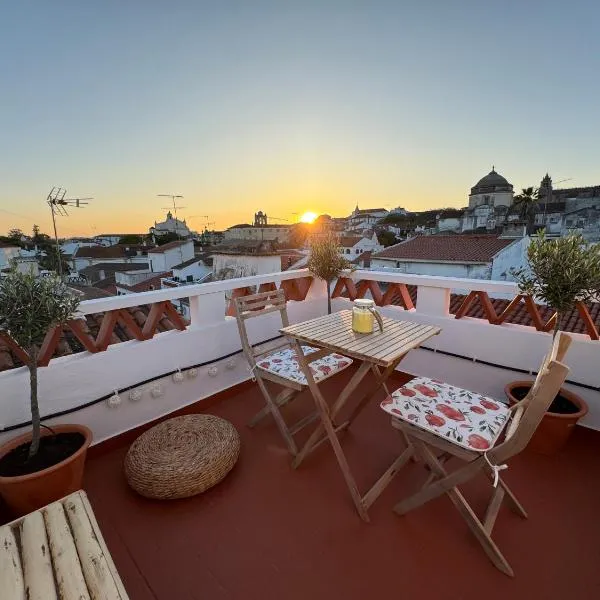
<point x="526" y="202"/>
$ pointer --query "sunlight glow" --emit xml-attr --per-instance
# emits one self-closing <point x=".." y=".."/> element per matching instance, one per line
<point x="308" y="217"/>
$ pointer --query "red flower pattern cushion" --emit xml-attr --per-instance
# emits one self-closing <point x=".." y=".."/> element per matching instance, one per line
<point x="285" y="364"/>
<point x="464" y="418"/>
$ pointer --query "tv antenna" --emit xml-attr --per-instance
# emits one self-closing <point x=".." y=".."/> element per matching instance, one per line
<point x="174" y="198"/>
<point x="58" y="206"/>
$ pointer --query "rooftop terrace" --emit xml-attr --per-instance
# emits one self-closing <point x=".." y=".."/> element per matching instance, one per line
<point x="268" y="531"/>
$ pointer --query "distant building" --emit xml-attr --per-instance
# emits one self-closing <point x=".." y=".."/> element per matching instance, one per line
<point x="489" y="202"/>
<point x="134" y="282"/>
<point x="8" y="252"/>
<point x="260" y="231"/>
<point x="469" y="256"/>
<point x="171" y="225"/>
<point x="91" y="255"/>
<point x="366" y="217"/>
<point x="353" y="246"/>
<point x="103" y="275"/>
<point x="110" y="239"/>
<point x="242" y="258"/>
<point x="164" y="258"/>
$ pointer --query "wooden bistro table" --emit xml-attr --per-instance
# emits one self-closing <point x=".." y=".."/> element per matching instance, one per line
<point x="379" y="352"/>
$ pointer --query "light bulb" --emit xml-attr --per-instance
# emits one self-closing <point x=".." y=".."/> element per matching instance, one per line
<point x="135" y="395"/>
<point x="193" y="372"/>
<point x="178" y="377"/>
<point x="114" y="400"/>
<point x="213" y="371"/>
<point x="230" y="364"/>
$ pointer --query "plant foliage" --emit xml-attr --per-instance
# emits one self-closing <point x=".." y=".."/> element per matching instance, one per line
<point x="29" y="307"/>
<point x="326" y="262"/>
<point x="561" y="272"/>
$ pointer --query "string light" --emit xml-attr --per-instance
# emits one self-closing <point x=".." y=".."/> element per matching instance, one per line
<point x="230" y="364"/>
<point x="156" y="391"/>
<point x="135" y="395"/>
<point x="213" y="371"/>
<point x="178" y="377"/>
<point x="192" y="373"/>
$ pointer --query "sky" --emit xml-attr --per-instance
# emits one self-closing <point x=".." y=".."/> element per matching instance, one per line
<point x="287" y="107"/>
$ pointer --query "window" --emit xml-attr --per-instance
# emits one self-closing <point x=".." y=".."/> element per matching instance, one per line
<point x="357" y="251"/>
<point x="347" y="250"/>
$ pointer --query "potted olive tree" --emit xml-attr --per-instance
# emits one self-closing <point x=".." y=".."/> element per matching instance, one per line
<point x="326" y="262"/>
<point x="561" y="273"/>
<point x="38" y="467"/>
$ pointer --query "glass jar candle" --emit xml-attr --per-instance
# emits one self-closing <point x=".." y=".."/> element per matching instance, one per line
<point x="364" y="315"/>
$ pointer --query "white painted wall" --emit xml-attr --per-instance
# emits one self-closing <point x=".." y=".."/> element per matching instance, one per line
<point x="167" y="259"/>
<point x="469" y="271"/>
<point x="511" y="257"/>
<point x="491" y="198"/>
<point x="246" y="264"/>
<point x="365" y="244"/>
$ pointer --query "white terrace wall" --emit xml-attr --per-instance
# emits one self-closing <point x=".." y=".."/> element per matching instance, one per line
<point x="73" y="381"/>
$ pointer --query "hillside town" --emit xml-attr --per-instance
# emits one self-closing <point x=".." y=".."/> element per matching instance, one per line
<point x="487" y="239"/>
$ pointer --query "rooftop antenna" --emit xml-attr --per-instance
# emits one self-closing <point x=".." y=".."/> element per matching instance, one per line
<point x="174" y="198"/>
<point x="58" y="206"/>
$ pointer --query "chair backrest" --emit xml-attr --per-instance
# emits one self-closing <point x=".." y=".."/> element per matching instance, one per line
<point x="528" y="413"/>
<point x="256" y="305"/>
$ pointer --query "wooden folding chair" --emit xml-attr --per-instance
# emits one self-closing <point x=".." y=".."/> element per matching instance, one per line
<point x="440" y="421"/>
<point x="278" y="364"/>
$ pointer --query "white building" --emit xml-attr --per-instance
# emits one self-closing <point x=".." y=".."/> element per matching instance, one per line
<point x="469" y="256"/>
<point x="258" y="233"/>
<point x="366" y="217"/>
<point x="489" y="201"/>
<point x="8" y="252"/>
<point x="165" y="257"/>
<point x="171" y="225"/>
<point x="88" y="256"/>
<point x="241" y="258"/>
<point x="353" y="246"/>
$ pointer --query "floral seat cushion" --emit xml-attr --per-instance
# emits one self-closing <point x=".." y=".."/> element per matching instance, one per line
<point x="285" y="364"/>
<point x="464" y="418"/>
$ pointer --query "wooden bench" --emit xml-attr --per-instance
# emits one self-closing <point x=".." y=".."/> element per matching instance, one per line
<point x="58" y="552"/>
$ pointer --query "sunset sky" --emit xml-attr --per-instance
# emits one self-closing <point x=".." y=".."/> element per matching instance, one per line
<point x="288" y="107"/>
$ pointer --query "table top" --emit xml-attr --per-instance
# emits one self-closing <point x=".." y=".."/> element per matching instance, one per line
<point x="334" y="332"/>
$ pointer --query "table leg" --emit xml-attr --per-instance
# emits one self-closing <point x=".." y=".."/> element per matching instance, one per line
<point x="329" y="428"/>
<point x="313" y="440"/>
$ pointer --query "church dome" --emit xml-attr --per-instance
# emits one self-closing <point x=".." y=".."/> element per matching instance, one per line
<point x="492" y="182"/>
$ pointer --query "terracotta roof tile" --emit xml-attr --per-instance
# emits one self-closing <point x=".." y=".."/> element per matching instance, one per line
<point x="453" y="248"/>
<point x="168" y="246"/>
<point x="347" y="241"/>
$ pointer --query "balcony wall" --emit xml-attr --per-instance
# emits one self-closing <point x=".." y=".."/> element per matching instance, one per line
<point x="469" y="352"/>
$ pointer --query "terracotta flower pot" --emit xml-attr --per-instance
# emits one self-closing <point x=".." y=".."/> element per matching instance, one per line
<point x="26" y="493"/>
<point x="555" y="428"/>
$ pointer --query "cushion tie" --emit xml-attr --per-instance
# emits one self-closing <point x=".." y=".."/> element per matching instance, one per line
<point x="495" y="469"/>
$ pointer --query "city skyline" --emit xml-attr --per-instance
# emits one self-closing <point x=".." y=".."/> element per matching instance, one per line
<point x="287" y="109"/>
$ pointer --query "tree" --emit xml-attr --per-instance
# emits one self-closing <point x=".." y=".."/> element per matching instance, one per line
<point x="326" y="262"/>
<point x="15" y="235"/>
<point x="29" y="307"/>
<point x="526" y="202"/>
<point x="35" y="232"/>
<point x="386" y="238"/>
<point x="49" y="261"/>
<point x="131" y="238"/>
<point x="561" y="273"/>
<point x="165" y="238"/>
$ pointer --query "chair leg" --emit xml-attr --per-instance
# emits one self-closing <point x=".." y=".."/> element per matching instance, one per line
<point x="272" y="404"/>
<point x="442" y="484"/>
<point x="447" y="484"/>
<point x="514" y="504"/>
<point x="281" y="400"/>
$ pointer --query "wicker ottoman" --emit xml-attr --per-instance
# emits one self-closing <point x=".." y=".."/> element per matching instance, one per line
<point x="182" y="456"/>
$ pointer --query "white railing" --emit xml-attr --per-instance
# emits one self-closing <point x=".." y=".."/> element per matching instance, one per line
<point x="211" y="340"/>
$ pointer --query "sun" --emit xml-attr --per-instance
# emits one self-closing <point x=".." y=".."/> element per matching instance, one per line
<point x="308" y="217"/>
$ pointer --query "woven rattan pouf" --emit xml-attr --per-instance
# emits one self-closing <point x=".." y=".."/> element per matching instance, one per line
<point x="182" y="456"/>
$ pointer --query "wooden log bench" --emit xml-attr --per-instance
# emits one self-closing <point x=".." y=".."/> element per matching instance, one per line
<point x="58" y="552"/>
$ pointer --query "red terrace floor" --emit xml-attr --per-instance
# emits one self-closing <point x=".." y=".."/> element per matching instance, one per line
<point x="270" y="532"/>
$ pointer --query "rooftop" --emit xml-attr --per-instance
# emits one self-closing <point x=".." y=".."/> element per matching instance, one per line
<point x="152" y="283"/>
<point x="447" y="248"/>
<point x="347" y="241"/>
<point x="168" y="246"/>
<point x="269" y="531"/>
